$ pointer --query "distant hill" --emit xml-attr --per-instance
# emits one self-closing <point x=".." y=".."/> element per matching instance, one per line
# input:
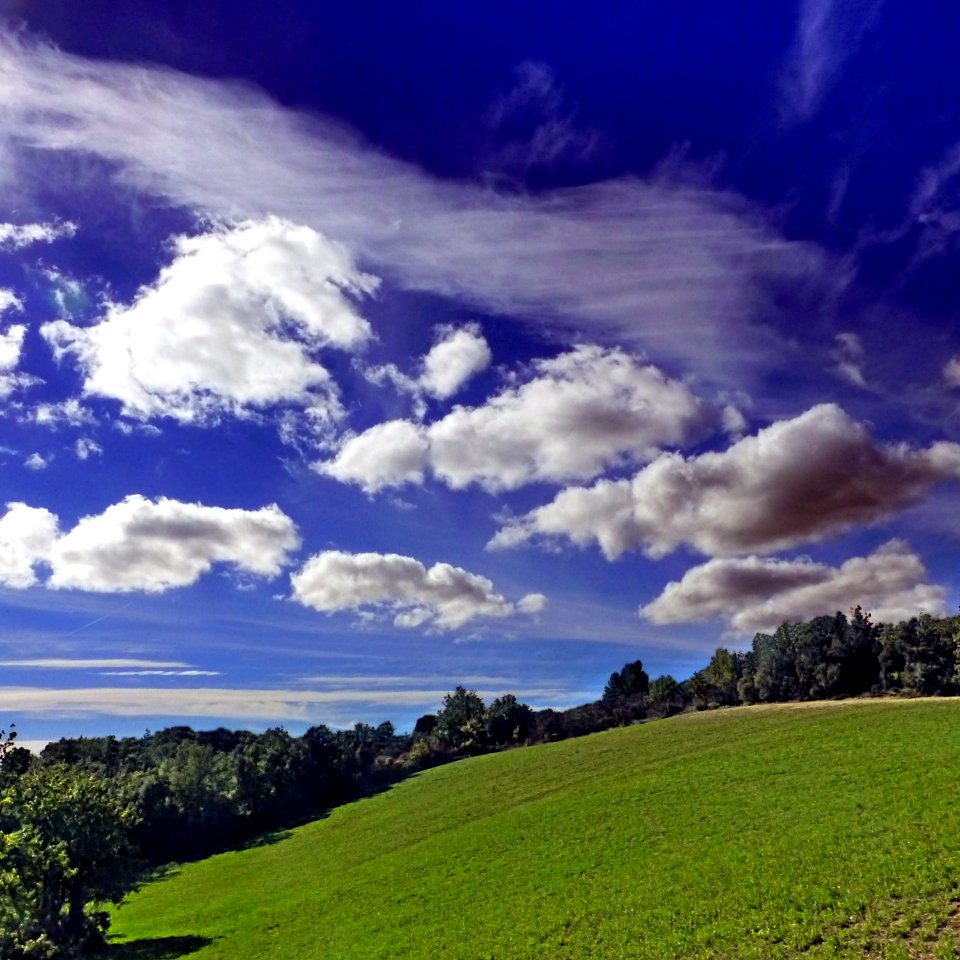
<point x="816" y="830"/>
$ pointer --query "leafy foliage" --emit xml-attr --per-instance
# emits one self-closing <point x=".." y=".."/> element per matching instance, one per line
<point x="64" y="843"/>
<point x="461" y="721"/>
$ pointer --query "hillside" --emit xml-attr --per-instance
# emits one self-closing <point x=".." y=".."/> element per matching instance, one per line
<point x="822" y="830"/>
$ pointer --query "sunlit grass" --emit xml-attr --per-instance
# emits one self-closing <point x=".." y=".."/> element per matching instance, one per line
<point x="757" y="832"/>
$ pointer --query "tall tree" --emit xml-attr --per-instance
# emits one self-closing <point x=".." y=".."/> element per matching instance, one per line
<point x="631" y="681"/>
<point x="460" y="721"/>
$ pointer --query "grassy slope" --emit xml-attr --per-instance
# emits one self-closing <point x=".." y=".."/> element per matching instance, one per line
<point x="826" y="830"/>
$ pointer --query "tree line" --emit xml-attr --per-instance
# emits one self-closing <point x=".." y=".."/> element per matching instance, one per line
<point x="81" y="823"/>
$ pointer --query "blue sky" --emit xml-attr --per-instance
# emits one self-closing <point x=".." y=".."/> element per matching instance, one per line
<point x="351" y="352"/>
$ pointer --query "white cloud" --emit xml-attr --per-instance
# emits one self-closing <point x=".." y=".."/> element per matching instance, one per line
<point x="232" y="323"/>
<point x="139" y="544"/>
<point x="796" y="481"/>
<point x="442" y="597"/>
<point x="160" y="673"/>
<point x="11" y="347"/>
<point x="584" y="411"/>
<point x="9" y="301"/>
<point x="849" y="357"/>
<point x="27" y="536"/>
<point x="37" y="461"/>
<point x="532" y="603"/>
<point x="457" y="356"/>
<point x="759" y="593"/>
<point x="85" y="447"/>
<point x="386" y="455"/>
<point x="269" y="705"/>
<point x="78" y="663"/>
<point x="951" y="372"/>
<point x="683" y="270"/>
<point x="69" y="413"/>
<point x="11" y="343"/>
<point x="453" y="360"/>
<point x="14" y="236"/>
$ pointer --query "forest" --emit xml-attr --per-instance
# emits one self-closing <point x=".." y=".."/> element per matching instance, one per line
<point x="89" y="818"/>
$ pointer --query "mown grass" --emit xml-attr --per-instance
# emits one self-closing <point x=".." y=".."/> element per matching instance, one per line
<point x="827" y="831"/>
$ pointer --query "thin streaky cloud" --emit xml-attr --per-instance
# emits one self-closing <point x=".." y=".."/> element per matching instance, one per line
<point x="616" y="256"/>
<point x="79" y="663"/>
<point x="233" y="703"/>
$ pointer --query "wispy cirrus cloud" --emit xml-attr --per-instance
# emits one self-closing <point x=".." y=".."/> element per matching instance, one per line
<point x="669" y="264"/>
<point x="92" y="663"/>
<point x="14" y="236"/>
<point x="828" y="34"/>
<point x="262" y="705"/>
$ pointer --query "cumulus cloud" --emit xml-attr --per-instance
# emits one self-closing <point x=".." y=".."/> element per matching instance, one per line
<point x="139" y="544"/>
<point x="70" y="413"/>
<point x="442" y="597"/>
<point x="387" y="455"/>
<point x="11" y="346"/>
<point x="27" y="536"/>
<point x="796" y="481"/>
<point x="453" y="360"/>
<point x="11" y="343"/>
<point x="673" y="265"/>
<point x="759" y="593"/>
<point x="37" y="461"/>
<point x="14" y="236"/>
<point x="584" y="411"/>
<point x="86" y="447"/>
<point x="233" y="323"/>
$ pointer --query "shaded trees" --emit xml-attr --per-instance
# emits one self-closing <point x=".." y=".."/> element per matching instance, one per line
<point x="716" y="684"/>
<point x="508" y="721"/>
<point x="631" y="681"/>
<point x="920" y="655"/>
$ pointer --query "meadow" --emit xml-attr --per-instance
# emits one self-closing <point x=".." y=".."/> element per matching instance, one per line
<point x="815" y="830"/>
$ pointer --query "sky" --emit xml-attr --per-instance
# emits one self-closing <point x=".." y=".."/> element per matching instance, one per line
<point x="351" y="352"/>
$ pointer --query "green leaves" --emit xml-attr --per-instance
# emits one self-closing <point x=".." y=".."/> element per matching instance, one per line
<point x="64" y="846"/>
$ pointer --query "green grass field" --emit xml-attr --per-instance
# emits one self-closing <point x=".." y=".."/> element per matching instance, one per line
<point x="828" y="830"/>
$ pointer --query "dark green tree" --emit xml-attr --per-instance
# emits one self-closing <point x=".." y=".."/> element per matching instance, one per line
<point x="665" y="697"/>
<point x="631" y="681"/>
<point x="460" y="722"/>
<point x="508" y="721"/>
<point x="716" y="684"/>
